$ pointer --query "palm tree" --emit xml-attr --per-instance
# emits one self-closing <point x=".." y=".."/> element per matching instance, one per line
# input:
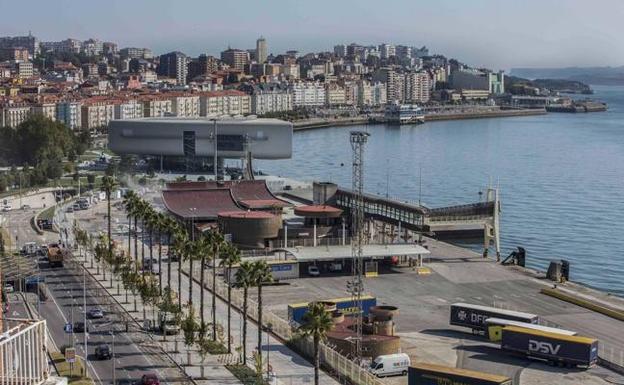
<point x="316" y="323"/>
<point x="160" y="225"/>
<point x="171" y="227"/>
<point x="244" y="280"/>
<point x="202" y="248"/>
<point x="143" y="208"/>
<point x="232" y="256"/>
<point x="130" y="201"/>
<point x="180" y="246"/>
<point x="108" y="184"/>
<point x="261" y="275"/>
<point x="215" y="244"/>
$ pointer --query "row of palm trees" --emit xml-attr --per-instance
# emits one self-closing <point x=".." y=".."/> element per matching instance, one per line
<point x="203" y="248"/>
<point x="187" y="245"/>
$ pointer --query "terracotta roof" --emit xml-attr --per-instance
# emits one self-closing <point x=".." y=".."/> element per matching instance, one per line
<point x="204" y="204"/>
<point x="252" y="194"/>
<point x="318" y="211"/>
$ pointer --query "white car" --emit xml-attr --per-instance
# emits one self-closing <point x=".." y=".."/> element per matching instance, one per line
<point x="313" y="271"/>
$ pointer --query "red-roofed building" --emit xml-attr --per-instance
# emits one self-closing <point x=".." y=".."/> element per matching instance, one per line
<point x="202" y="205"/>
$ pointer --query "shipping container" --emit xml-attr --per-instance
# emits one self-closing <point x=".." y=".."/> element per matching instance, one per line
<point x="430" y="374"/>
<point x="346" y="305"/>
<point x="495" y="328"/>
<point x="552" y="347"/>
<point x="474" y="316"/>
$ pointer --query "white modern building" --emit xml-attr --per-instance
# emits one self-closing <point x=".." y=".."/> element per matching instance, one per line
<point x="227" y="102"/>
<point x="263" y="138"/>
<point x="185" y="106"/>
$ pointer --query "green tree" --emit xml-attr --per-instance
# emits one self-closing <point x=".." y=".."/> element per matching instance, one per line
<point x="316" y="323"/>
<point x="244" y="280"/>
<point x="189" y="327"/>
<point x="261" y="275"/>
<point x="202" y="248"/>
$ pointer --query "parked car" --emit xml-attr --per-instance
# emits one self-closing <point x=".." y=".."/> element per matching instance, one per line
<point x="149" y="379"/>
<point x="8" y="288"/>
<point x="95" y="313"/>
<point x="336" y="266"/>
<point x="79" y="327"/>
<point x="76" y="206"/>
<point x="6" y="208"/>
<point x="313" y="271"/>
<point x="25" y="207"/>
<point x="69" y="209"/>
<point x="103" y="352"/>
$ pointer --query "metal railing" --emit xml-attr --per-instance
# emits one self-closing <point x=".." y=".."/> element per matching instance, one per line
<point x="341" y="365"/>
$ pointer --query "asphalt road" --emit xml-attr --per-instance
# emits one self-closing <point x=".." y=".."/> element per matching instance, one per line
<point x="135" y="352"/>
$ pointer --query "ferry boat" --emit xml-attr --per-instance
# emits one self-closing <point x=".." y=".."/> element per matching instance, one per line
<point x="404" y="114"/>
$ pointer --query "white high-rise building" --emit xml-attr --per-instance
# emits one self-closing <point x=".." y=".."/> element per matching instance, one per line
<point x="261" y="50"/>
<point x="387" y="50"/>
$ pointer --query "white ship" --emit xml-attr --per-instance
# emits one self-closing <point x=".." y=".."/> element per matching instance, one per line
<point x="404" y="114"/>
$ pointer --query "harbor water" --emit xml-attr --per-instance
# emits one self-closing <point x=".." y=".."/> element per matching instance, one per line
<point x="561" y="178"/>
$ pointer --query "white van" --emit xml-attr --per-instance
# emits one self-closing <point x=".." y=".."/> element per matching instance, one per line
<point x="390" y="364"/>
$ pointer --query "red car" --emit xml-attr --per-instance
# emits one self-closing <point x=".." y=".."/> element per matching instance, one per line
<point x="149" y="379"/>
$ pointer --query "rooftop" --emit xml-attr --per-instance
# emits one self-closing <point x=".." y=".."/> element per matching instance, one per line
<point x="321" y="253"/>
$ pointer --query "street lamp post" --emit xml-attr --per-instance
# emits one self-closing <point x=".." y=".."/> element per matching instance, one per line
<point x="112" y="332"/>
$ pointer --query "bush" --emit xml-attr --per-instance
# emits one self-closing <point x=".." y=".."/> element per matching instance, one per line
<point x="245" y="374"/>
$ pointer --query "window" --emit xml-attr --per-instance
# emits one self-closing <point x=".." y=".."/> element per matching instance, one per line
<point x="189" y="143"/>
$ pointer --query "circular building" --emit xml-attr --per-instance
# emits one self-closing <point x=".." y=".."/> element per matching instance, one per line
<point x="250" y="228"/>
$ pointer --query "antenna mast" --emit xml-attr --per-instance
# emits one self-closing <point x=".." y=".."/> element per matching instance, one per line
<point x="358" y="140"/>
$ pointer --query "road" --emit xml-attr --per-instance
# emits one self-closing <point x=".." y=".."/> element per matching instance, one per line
<point x="135" y="353"/>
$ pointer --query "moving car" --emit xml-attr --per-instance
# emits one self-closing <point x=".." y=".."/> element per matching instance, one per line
<point x="390" y="364"/>
<point x="149" y="379"/>
<point x="313" y="271"/>
<point x="95" y="313"/>
<point x="103" y="352"/>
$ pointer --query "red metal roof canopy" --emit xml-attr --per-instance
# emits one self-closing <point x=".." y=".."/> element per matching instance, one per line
<point x="318" y="211"/>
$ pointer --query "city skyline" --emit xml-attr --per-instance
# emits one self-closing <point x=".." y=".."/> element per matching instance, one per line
<point x="479" y="33"/>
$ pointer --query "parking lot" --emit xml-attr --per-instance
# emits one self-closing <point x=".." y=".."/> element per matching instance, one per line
<point x="458" y="275"/>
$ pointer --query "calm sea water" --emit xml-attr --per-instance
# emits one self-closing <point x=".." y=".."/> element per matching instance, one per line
<point x="561" y="178"/>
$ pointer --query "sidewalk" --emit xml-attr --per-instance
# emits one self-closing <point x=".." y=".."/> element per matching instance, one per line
<point x="214" y="369"/>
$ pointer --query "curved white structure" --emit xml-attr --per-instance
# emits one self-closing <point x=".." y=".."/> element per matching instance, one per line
<point x="264" y="138"/>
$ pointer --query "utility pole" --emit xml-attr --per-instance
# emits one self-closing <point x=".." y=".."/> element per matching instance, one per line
<point x="84" y="306"/>
<point x="113" y="353"/>
<point x="216" y="159"/>
<point x="358" y="139"/>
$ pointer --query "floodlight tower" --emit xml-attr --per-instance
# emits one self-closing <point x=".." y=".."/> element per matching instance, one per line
<point x="356" y="285"/>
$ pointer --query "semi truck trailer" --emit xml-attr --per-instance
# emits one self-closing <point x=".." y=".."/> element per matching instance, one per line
<point x="430" y="374"/>
<point x="555" y="348"/>
<point x="474" y="316"/>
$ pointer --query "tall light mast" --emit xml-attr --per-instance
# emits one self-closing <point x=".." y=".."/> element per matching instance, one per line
<point x="356" y="285"/>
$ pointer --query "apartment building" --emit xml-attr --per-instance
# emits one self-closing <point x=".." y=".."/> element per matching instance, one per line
<point x="185" y="105"/>
<point x="417" y="87"/>
<point x="13" y="114"/>
<point x="267" y="98"/>
<point x="129" y="109"/>
<point x="308" y="94"/>
<point x="235" y="58"/>
<point x="47" y="109"/>
<point x="227" y="102"/>
<point x="156" y="107"/>
<point x="96" y="115"/>
<point x="70" y="114"/>
<point x="335" y="95"/>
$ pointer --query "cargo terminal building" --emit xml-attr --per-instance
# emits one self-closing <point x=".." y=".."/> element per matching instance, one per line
<point x="185" y="144"/>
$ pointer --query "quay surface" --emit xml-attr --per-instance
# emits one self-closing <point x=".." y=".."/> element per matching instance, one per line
<point x="461" y="275"/>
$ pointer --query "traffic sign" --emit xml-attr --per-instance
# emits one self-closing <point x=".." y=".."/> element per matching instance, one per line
<point x="68" y="328"/>
<point x="70" y="355"/>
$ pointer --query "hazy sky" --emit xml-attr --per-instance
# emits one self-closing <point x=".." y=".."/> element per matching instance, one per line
<point x="492" y="33"/>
